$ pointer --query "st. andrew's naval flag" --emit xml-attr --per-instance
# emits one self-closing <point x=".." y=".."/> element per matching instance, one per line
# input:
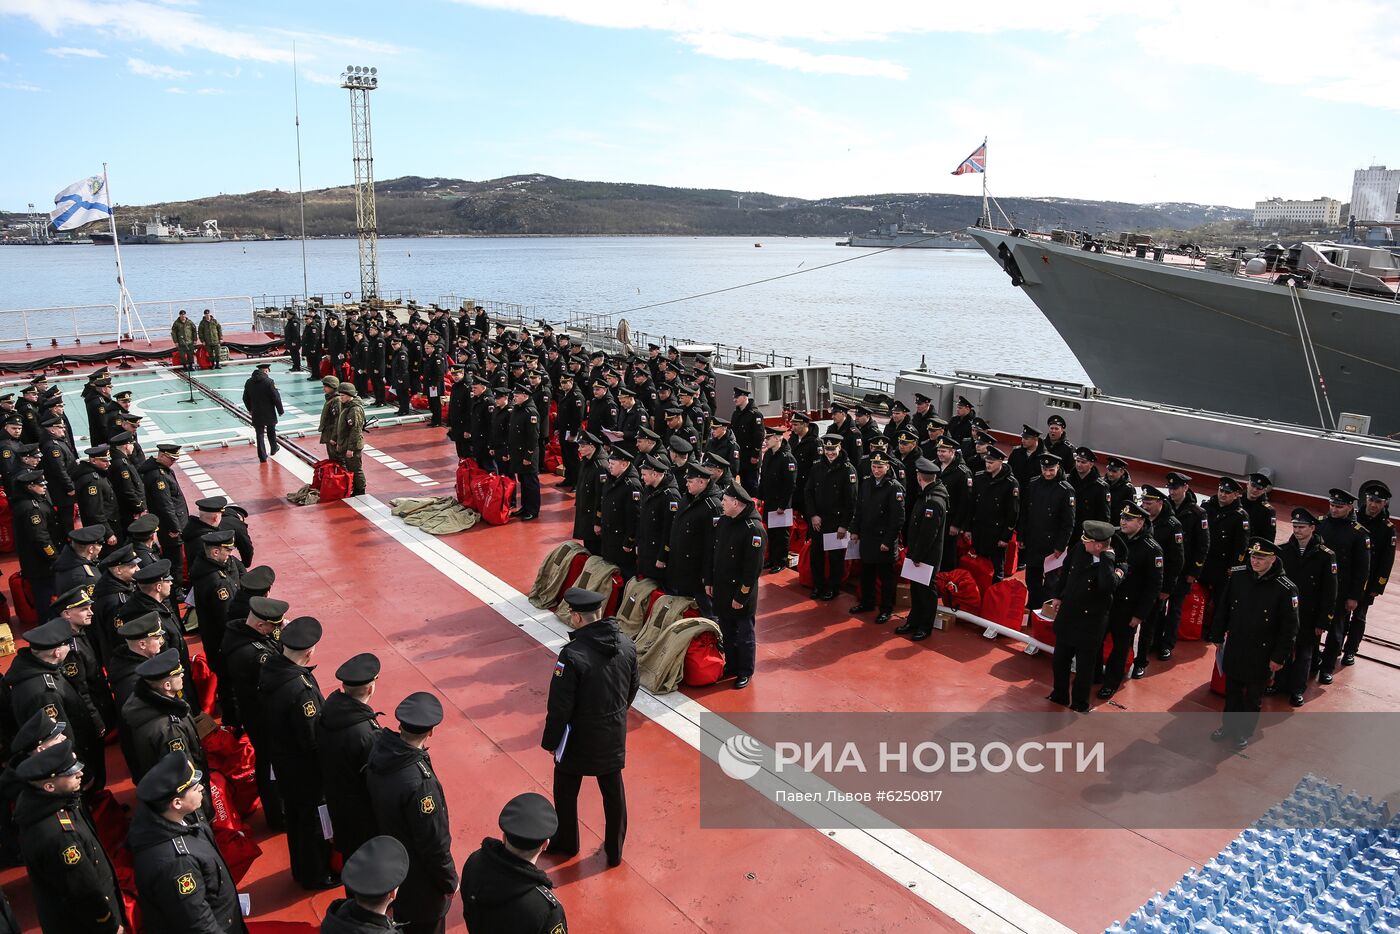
<point x="81" y="203"/>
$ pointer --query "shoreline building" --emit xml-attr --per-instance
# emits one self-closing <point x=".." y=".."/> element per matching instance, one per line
<point x="1322" y="212"/>
<point x="1375" y="195"/>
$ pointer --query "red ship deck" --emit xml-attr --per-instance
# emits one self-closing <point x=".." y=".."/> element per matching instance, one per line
<point x="447" y="615"/>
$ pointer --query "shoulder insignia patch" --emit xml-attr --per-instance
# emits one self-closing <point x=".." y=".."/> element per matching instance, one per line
<point x="72" y="856"/>
<point x="559" y="668"/>
<point x="1158" y="561"/>
<point x="34" y="519"/>
<point x="160" y="484"/>
<point x="675" y="505"/>
<point x="559" y="929"/>
<point x="899" y="496"/>
<point x="1205" y="523"/>
<point x="262" y="659"/>
<point x="533" y="419"/>
<point x="125" y="475"/>
<point x="51" y="710"/>
<point x="92" y="491"/>
<point x="70" y="669"/>
<point x="1245" y="523"/>
<point x="177" y="745"/>
<point x="223" y="593"/>
<point x="308" y="709"/>
<point x="636" y="494"/>
<point x="55" y="453"/>
<point x="714" y="521"/>
<point x="5" y="452"/>
<point x="1178" y="536"/>
<point x="758" y="541"/>
<point x="1294" y="598"/>
<point x="185" y="885"/>
<point x="426" y="804"/>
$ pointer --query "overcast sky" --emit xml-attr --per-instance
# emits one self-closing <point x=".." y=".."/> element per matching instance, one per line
<point x="1223" y="102"/>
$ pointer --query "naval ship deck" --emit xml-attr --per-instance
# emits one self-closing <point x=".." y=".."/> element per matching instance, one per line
<point x="448" y="615"/>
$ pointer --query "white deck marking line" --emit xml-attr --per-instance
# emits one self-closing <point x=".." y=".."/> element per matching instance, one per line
<point x="400" y="468"/>
<point x="953" y="888"/>
<point x="200" y="478"/>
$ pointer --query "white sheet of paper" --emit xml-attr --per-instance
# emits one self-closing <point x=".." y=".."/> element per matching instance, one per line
<point x="327" y="832"/>
<point x="1053" y="563"/>
<point x="271" y="774"/>
<point x="831" y="543"/>
<point x="612" y="435"/>
<point x="852" y="549"/>
<point x="559" y="752"/>
<point x="918" y="573"/>
<point x="245" y="904"/>
<point x="780" y="519"/>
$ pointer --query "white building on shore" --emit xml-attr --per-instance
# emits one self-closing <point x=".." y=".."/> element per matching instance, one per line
<point x="1323" y="212"/>
<point x="1375" y="192"/>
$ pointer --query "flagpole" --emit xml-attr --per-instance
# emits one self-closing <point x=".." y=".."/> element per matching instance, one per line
<point x="125" y="306"/>
<point x="986" y="214"/>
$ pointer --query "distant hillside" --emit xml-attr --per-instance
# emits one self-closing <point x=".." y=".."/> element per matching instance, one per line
<point x="541" y="204"/>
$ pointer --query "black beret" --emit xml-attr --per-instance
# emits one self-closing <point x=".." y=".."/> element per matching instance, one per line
<point x="301" y="633"/>
<point x="267" y="609"/>
<point x="98" y="450"/>
<point x="89" y="535"/>
<point x="582" y="600"/>
<point x="358" y="669"/>
<point x="735" y="491"/>
<point x="528" y="820"/>
<point x="156" y="570"/>
<point x="35" y="730"/>
<point x="679" y="444"/>
<point x="1260" y="480"/>
<point x="925" y="466"/>
<point x="741" y="391"/>
<point x="161" y="665"/>
<point x="419" y="712"/>
<point x="1302" y="515"/>
<point x="1340" y="497"/>
<point x="714" y="460"/>
<point x="217" y="537"/>
<point x="50" y="635"/>
<point x="168" y="448"/>
<point x="258" y="580"/>
<point x="27" y="477"/>
<point x="1177" y="479"/>
<point x="142" y="627"/>
<point x="1116" y="463"/>
<point x="211" y="504"/>
<point x="1048" y="460"/>
<point x="656" y="464"/>
<point x="697" y="471"/>
<point x="1229" y="485"/>
<point x="58" y="759"/>
<point x="377" y="868"/>
<point x="1056" y="420"/>
<point x="618" y="453"/>
<point x="995" y="454"/>
<point x="173" y="775"/>
<point x="1375" y="489"/>
<point x="1083" y="453"/>
<point x="587" y="437"/>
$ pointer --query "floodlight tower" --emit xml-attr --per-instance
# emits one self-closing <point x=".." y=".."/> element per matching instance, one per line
<point x="359" y="81"/>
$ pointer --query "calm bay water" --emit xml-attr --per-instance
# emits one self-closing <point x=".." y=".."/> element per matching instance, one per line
<point x="886" y="310"/>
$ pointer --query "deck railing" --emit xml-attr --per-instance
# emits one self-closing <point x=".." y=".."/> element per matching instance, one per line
<point x="77" y="325"/>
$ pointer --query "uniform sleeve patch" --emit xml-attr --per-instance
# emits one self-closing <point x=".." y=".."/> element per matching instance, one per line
<point x="185" y="885"/>
<point x="92" y="491"/>
<point x="559" y="668"/>
<point x="160" y="484"/>
<point x="675" y="505"/>
<point x="559" y="929"/>
<point x="1294" y="598"/>
<point x="1205" y="523"/>
<point x="636" y="494"/>
<point x="426" y="804"/>
<point x="1179" y="537"/>
<point x="72" y="856"/>
<point x="51" y="710"/>
<point x="899" y="497"/>
<point x="34" y="519"/>
<point x="177" y="745"/>
<point x="758" y="541"/>
<point x="1158" y="561"/>
<point x="308" y="709"/>
<point x="223" y="593"/>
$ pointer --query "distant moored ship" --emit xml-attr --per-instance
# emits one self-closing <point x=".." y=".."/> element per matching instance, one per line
<point x="163" y="230"/>
<point x="904" y="236"/>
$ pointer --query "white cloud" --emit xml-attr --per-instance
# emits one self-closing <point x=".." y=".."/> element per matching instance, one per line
<point x="210" y="91"/>
<point x="323" y="78"/>
<point x="146" y="70"/>
<point x="174" y="90"/>
<point x="68" y="52"/>
<point x="18" y="86"/>
<point x="4" y="57"/>
<point x="783" y="56"/>
<point x="175" y="30"/>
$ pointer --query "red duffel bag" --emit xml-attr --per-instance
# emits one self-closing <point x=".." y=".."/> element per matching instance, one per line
<point x="1013" y="554"/>
<point x="493" y="492"/>
<point x="204" y="682"/>
<point x="418" y="401"/>
<point x="615" y="599"/>
<point x="553" y="456"/>
<point x="238" y="850"/>
<point x="1217" y="674"/>
<point x="7" y="527"/>
<point x="201" y="358"/>
<point x="1005" y="602"/>
<point x="467" y="473"/>
<point x="1195" y="610"/>
<point x="332" y="480"/>
<point x="231" y="755"/>
<point x="958" y="589"/>
<point x="25" y="611"/>
<point x="325" y="367"/>
<point x="704" y="662"/>
<point x="981" y="570"/>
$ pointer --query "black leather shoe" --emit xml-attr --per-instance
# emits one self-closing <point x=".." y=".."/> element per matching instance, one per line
<point x="1138" y="672"/>
<point x="1241" y="743"/>
<point x="528" y="516"/>
<point x="1273" y="689"/>
<point x="1296" y="700"/>
<point x="1325" y="678"/>
<point x="614" y="859"/>
<point x="883" y="618"/>
<point x="1079" y="708"/>
<point x="1219" y="735"/>
<point x="818" y="594"/>
<point x="1164" y="654"/>
<point x="1057" y="698"/>
<point x="743" y="682"/>
<point x="559" y="851"/>
<point x="1106" y="692"/>
<point x="921" y="635"/>
<point x="775" y="569"/>
<point x="1348" y="661"/>
<point x="861" y="608"/>
<point x="319" y="885"/>
<point x="903" y="629"/>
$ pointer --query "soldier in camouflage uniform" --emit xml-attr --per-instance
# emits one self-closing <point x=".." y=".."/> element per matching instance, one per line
<point x="350" y="435"/>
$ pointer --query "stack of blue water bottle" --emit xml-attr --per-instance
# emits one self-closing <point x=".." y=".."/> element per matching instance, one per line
<point x="1319" y="862"/>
